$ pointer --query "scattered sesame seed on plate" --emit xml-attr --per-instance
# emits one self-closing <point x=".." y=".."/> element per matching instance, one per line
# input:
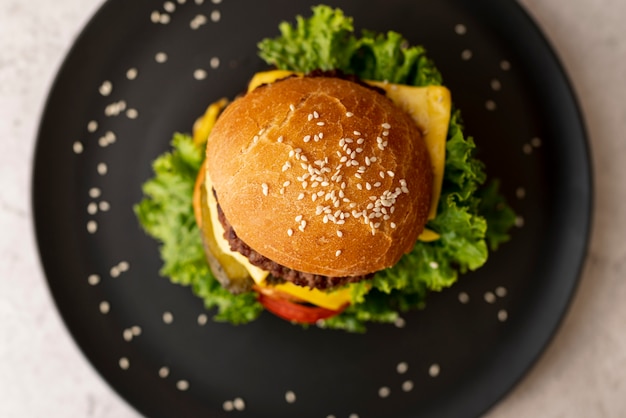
<point x="160" y="57"/>
<point x="239" y="404"/>
<point x="168" y="317"/>
<point x="164" y="372"/>
<point x="463" y="297"/>
<point x="131" y="73"/>
<point x="92" y="126"/>
<point x="434" y="370"/>
<point x="182" y="385"/>
<point x="503" y="315"/>
<point x="290" y="396"/>
<point x="92" y="227"/>
<point x="466" y="55"/>
<point x="489" y="297"/>
<point x="104" y="307"/>
<point x="228" y="406"/>
<point x="216" y="16"/>
<point x="124" y="363"/>
<point x="402" y="367"/>
<point x="93" y="279"/>
<point x="407" y="385"/>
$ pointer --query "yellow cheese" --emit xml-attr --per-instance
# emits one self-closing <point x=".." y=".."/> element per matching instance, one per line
<point x="257" y="274"/>
<point x="428" y="235"/>
<point x="202" y="127"/>
<point x="329" y="300"/>
<point x="430" y="107"/>
<point x="267" y="77"/>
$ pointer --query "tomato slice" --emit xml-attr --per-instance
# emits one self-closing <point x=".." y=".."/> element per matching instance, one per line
<point x="294" y="311"/>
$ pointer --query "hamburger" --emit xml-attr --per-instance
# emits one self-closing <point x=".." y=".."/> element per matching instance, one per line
<point x="320" y="194"/>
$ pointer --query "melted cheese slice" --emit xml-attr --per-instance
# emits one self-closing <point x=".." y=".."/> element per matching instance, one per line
<point x="257" y="274"/>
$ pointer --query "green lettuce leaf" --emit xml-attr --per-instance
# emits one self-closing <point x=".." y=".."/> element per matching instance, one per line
<point x="166" y="214"/>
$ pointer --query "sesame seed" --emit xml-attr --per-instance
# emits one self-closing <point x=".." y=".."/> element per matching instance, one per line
<point x="304" y="158"/>
<point x="168" y="318"/>
<point x="360" y="141"/>
<point x="501" y="291"/>
<point x="265" y="188"/>
<point x="381" y="174"/>
<point x="386" y="125"/>
<point x="349" y="114"/>
<point x="239" y="404"/>
<point x="104" y="307"/>
<point x="384" y="392"/>
<point x="368" y="186"/>
<point x="124" y="363"/>
<point x="315" y="114"/>
<point x="503" y="315"/>
<point x="358" y="186"/>
<point x="434" y="370"/>
<point x="393" y="225"/>
<point x="301" y="196"/>
<point x="380" y="147"/>
<point x="280" y="139"/>
<point x="310" y="117"/>
<point x="367" y="161"/>
<point x="292" y="107"/>
<point x="320" y="123"/>
<point x="337" y="253"/>
<point x="164" y="372"/>
<point x="357" y="133"/>
<point x="373" y="159"/>
<point x="290" y="232"/>
<point x="339" y="233"/>
<point x="290" y="397"/>
<point x="307" y="139"/>
<point x="182" y="385"/>
<point x="391" y="173"/>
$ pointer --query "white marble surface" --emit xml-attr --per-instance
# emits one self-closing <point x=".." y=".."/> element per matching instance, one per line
<point x="583" y="372"/>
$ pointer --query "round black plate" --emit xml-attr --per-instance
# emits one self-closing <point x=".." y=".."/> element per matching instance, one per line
<point x="142" y="70"/>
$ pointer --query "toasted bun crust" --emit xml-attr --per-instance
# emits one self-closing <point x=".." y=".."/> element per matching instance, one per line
<point x="321" y="175"/>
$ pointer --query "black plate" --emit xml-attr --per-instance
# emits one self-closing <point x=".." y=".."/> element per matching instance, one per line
<point x="452" y="359"/>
